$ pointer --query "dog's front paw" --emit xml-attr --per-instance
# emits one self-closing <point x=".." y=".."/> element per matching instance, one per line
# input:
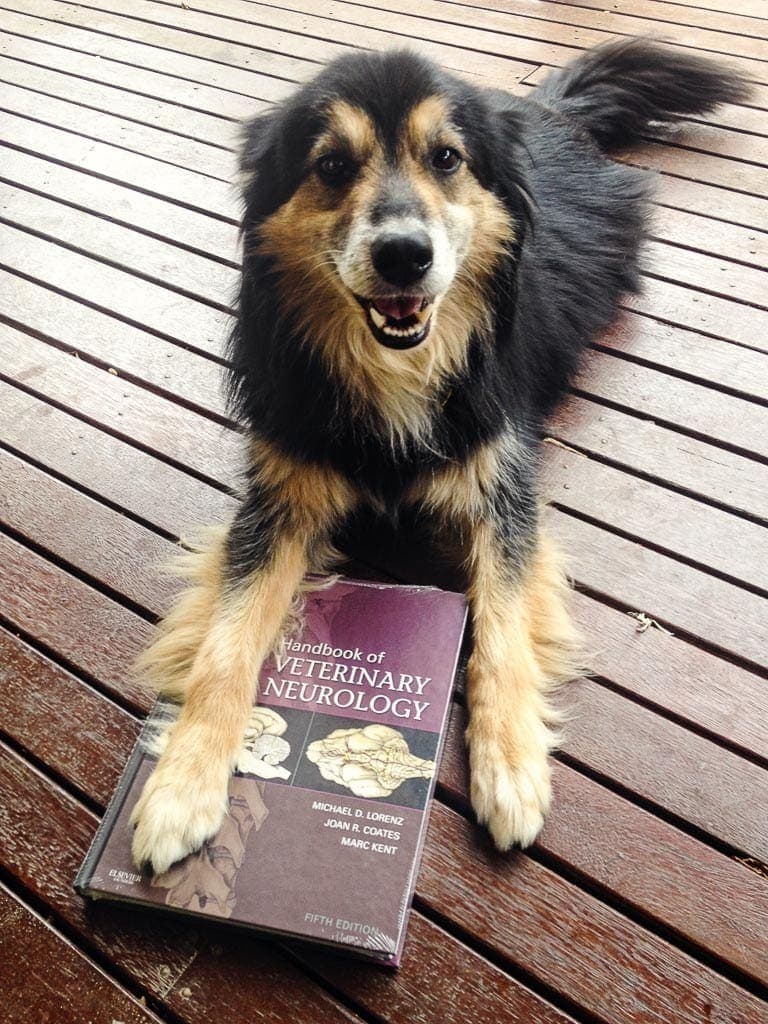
<point x="510" y="790"/>
<point x="173" y="817"/>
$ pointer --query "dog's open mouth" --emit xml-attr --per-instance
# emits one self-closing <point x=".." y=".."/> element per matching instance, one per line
<point x="401" y="321"/>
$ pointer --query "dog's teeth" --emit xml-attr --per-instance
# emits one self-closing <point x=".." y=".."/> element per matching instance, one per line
<point x="378" y="318"/>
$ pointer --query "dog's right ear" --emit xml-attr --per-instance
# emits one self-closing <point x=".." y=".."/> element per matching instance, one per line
<point x="256" y="141"/>
<point x="258" y="159"/>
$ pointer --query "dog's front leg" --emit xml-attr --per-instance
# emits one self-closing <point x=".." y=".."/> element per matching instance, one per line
<point x="264" y="560"/>
<point x="523" y="644"/>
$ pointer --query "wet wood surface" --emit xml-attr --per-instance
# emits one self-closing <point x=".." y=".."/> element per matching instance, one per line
<point x="646" y="896"/>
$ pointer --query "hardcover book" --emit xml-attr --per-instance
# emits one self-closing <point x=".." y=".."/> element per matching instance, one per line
<point x="328" y="806"/>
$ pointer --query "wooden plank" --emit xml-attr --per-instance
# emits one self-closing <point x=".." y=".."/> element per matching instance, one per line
<point x="748" y="21"/>
<point x="720" y="614"/>
<point x="217" y="283"/>
<point x="717" y="170"/>
<point x="703" y="28"/>
<point x="187" y="68"/>
<point x="167" y="91"/>
<point x="731" y="241"/>
<point x="173" y="265"/>
<point x="706" y="536"/>
<point x="121" y="348"/>
<point x="191" y="32"/>
<point x="724" y="418"/>
<point x="44" y="977"/>
<point x="163" y="496"/>
<point x="671" y="599"/>
<point x="166" y="498"/>
<point x="732" y="926"/>
<point x="464" y="986"/>
<point x="553" y="46"/>
<point x="704" y="167"/>
<point x="53" y="516"/>
<point x="691" y="777"/>
<point x="702" y="359"/>
<point x="642" y="860"/>
<point x="711" y="201"/>
<point x="211" y="161"/>
<point x="165" y="181"/>
<point x="717" y="237"/>
<point x="43" y="841"/>
<point x="67" y="616"/>
<point x="130" y="412"/>
<point x="124" y="205"/>
<point x="162" y="263"/>
<point x="716" y="474"/>
<point x="209" y="129"/>
<point x="693" y="12"/>
<point x="708" y="273"/>
<point x="609" y="966"/>
<point x="93" y="737"/>
<point x="143" y="303"/>
<point x="668" y="300"/>
<point x="683" y="681"/>
<point x="697" y="310"/>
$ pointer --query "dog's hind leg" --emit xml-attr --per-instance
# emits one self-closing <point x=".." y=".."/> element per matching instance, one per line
<point x="523" y="644"/>
<point x="212" y="650"/>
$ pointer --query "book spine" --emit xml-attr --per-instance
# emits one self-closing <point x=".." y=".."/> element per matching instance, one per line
<point x="85" y="874"/>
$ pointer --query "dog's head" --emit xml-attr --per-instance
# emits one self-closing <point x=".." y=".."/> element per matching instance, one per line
<point x="372" y="194"/>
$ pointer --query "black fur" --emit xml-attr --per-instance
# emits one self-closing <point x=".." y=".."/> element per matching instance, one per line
<point x="580" y="221"/>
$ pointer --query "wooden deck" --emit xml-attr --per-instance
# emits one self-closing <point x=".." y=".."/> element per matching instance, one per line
<point x="646" y="898"/>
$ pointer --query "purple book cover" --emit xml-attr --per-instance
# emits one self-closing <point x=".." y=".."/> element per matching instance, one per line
<point x="328" y="807"/>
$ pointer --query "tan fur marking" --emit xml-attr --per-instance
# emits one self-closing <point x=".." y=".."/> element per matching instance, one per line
<point x="317" y="496"/>
<point x="459" y="491"/>
<point x="429" y="124"/>
<point x="523" y="645"/>
<point x="349" y="128"/>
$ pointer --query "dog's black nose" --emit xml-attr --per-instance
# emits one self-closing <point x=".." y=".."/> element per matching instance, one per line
<point x="402" y="259"/>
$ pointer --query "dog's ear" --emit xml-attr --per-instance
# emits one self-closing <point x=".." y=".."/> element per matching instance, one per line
<point x="257" y="138"/>
<point x="259" y="173"/>
<point x="509" y="158"/>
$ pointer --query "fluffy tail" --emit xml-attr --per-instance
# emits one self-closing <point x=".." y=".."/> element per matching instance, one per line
<point x="616" y="90"/>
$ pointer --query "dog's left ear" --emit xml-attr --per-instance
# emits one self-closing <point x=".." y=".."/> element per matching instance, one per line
<point x="510" y="158"/>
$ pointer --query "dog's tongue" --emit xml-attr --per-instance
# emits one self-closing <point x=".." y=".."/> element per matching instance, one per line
<point x="400" y="307"/>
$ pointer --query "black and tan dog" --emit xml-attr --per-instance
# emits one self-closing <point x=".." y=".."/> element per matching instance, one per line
<point x="424" y="262"/>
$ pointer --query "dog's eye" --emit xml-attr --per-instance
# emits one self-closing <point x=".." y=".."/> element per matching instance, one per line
<point x="334" y="168"/>
<point x="446" y="159"/>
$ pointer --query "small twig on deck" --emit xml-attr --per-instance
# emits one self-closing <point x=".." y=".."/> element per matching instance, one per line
<point x="645" y="622"/>
<point x="559" y="444"/>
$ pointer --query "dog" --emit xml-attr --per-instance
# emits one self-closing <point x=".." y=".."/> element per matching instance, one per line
<point x="424" y="262"/>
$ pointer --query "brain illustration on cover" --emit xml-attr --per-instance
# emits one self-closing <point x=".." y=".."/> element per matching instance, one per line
<point x="371" y="761"/>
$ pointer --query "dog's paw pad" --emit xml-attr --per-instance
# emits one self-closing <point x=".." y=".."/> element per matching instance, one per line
<point x="172" y="820"/>
<point x="510" y="798"/>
